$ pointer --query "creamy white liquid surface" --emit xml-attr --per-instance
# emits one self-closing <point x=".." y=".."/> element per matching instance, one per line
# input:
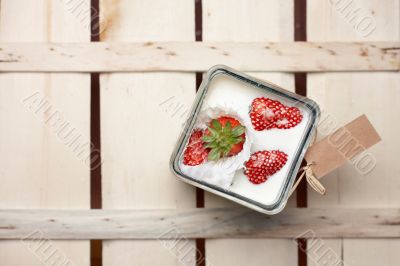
<point x="225" y="91"/>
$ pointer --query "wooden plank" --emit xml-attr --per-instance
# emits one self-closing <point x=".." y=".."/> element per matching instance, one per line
<point x="38" y="168"/>
<point x="141" y="117"/>
<point x="250" y="21"/>
<point x="210" y="223"/>
<point x="199" y="56"/>
<point x="344" y="96"/>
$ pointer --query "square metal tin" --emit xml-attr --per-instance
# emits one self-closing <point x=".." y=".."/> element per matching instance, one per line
<point x="306" y="104"/>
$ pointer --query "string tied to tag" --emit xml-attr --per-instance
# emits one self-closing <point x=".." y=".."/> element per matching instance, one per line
<point x="311" y="180"/>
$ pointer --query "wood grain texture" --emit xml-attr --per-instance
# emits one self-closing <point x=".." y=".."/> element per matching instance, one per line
<point x="37" y="168"/>
<point x="141" y="118"/>
<point x="250" y="21"/>
<point x="210" y="223"/>
<point x="200" y="56"/>
<point x="344" y="96"/>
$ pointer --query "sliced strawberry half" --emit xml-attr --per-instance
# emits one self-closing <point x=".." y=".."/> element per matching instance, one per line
<point x="289" y="117"/>
<point x="263" y="164"/>
<point x="195" y="152"/>
<point x="264" y="113"/>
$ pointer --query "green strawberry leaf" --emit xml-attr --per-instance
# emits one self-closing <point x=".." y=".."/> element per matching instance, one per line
<point x="216" y="124"/>
<point x="211" y="145"/>
<point x="228" y="126"/>
<point x="237" y="131"/>
<point x="213" y="131"/>
<point x="208" y="138"/>
<point x="214" y="155"/>
<point x="226" y="152"/>
<point x="221" y="138"/>
<point x="238" y="140"/>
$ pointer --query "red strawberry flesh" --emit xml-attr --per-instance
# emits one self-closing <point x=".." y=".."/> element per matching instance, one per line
<point x="195" y="152"/>
<point x="290" y="117"/>
<point x="263" y="164"/>
<point x="266" y="113"/>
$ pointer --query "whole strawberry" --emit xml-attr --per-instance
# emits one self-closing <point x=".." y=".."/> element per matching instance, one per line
<point x="266" y="113"/>
<point x="224" y="137"/>
<point x="195" y="152"/>
<point x="263" y="164"/>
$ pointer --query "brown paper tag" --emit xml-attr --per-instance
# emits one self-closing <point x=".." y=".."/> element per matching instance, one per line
<point x="343" y="145"/>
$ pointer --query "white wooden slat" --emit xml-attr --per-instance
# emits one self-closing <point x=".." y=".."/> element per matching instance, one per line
<point x="141" y="117"/>
<point x="199" y="56"/>
<point x="213" y="222"/>
<point x="37" y="169"/>
<point x="346" y="95"/>
<point x="249" y="21"/>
